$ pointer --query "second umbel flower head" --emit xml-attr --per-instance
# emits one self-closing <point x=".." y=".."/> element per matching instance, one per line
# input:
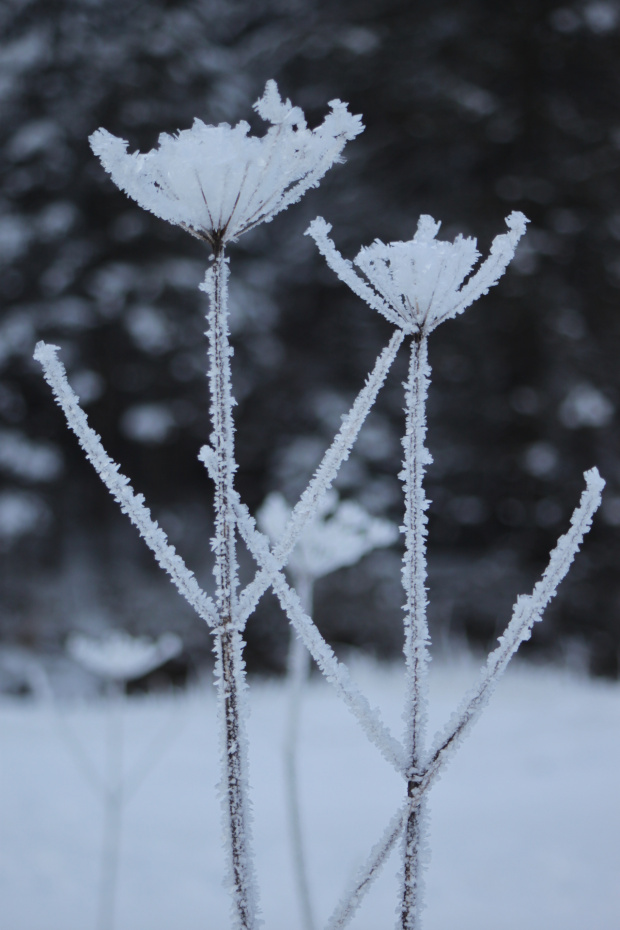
<point x="218" y="182"/>
<point x="420" y="283"/>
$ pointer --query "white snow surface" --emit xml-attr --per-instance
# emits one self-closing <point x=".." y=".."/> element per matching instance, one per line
<point x="524" y="831"/>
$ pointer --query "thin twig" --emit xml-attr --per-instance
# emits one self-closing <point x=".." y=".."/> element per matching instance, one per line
<point x="118" y="485"/>
<point x="527" y="611"/>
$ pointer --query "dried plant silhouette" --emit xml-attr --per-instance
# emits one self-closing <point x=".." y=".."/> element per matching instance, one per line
<point x="217" y="182"/>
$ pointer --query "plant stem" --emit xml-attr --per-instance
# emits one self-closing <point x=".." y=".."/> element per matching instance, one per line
<point x="112" y="807"/>
<point x="416" y="627"/>
<point x="228" y="641"/>
<point x="298" y="670"/>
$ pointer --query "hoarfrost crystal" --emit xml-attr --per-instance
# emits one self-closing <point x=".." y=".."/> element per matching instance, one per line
<point x="418" y="284"/>
<point x="218" y="182"/>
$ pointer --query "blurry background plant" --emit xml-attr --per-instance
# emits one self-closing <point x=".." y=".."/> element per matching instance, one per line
<point x="472" y="109"/>
<point x="117" y="658"/>
<point x="341" y="534"/>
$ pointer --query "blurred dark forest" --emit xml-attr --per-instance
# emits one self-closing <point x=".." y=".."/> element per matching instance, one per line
<point x="473" y="108"/>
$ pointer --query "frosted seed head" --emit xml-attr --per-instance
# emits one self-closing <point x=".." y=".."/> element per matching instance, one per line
<point x="422" y="282"/>
<point x="419" y="279"/>
<point x="217" y="182"/>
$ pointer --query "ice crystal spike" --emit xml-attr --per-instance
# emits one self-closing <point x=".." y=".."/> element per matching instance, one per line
<point x="420" y="283"/>
<point x="218" y="182"/>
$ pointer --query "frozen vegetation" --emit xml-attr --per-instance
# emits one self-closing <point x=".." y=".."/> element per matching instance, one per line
<point x="219" y="182"/>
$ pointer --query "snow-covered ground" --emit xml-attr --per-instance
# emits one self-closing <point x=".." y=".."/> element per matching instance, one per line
<point x="524" y="831"/>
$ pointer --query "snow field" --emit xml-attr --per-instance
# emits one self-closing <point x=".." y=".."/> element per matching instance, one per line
<point x="524" y="832"/>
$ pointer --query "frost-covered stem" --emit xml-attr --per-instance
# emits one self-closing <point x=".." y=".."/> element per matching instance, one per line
<point x="228" y="672"/>
<point x="118" y="485"/>
<point x="323" y="477"/>
<point x="222" y="438"/>
<point x="416" y="627"/>
<point x="298" y="670"/>
<point x="228" y="642"/>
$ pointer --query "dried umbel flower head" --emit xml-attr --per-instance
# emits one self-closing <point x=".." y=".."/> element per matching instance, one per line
<point x="218" y="182"/>
<point x="420" y="283"/>
<point x="341" y="533"/>
<point x="122" y="657"/>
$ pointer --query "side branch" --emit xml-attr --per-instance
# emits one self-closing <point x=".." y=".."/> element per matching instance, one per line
<point x="337" y="453"/>
<point x="527" y="611"/>
<point x="118" y="485"/>
<point x="319" y="230"/>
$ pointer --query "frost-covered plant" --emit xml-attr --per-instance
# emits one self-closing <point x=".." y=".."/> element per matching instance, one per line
<point x="340" y="534"/>
<point x="417" y="285"/>
<point x="116" y="658"/>
<point x="121" y="657"/>
<point x="218" y="182"/>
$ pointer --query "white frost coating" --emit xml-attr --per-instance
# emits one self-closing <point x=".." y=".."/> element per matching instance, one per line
<point x="215" y="286"/>
<point x="527" y="611"/>
<point x="217" y="181"/>
<point x="229" y="667"/>
<point x="333" y="670"/>
<point x="416" y="642"/>
<point x="132" y="504"/>
<point x="340" y="534"/>
<point x="321" y="482"/>
<point x="418" y="284"/>
<point x="233" y="785"/>
<point x="120" y="656"/>
<point x="416" y="458"/>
